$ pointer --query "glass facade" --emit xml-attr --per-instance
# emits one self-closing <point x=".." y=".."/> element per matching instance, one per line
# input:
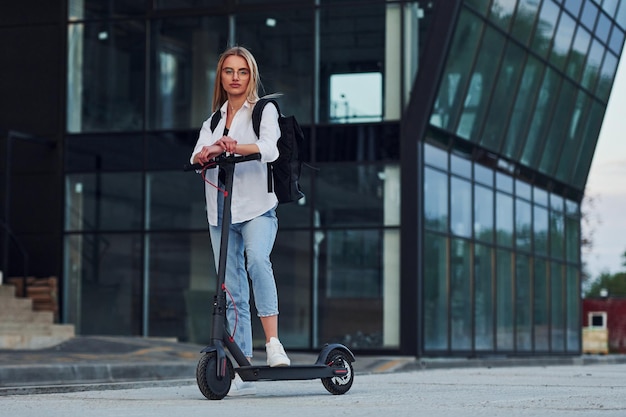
<point x="502" y="163"/>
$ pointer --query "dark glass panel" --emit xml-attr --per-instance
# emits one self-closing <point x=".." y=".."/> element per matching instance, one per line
<point x="562" y="41"/>
<point x="523" y="304"/>
<point x="460" y="200"/>
<point x="573" y="312"/>
<point x="169" y="150"/>
<point x="184" y="54"/>
<point x="460" y="303"/>
<point x="607" y="75"/>
<point x="347" y="143"/>
<point x="104" y="153"/>
<point x="456" y="75"/>
<point x="282" y="43"/>
<point x="479" y="5"/>
<point x="103" y="201"/>
<point x="573" y="137"/>
<point x="616" y="42"/>
<point x="578" y="54"/>
<point x="435" y="292"/>
<point x="504" y="219"/>
<point x="501" y="100"/>
<point x="560" y="123"/>
<point x="352" y="45"/>
<point x="435" y="157"/>
<point x="98" y="9"/>
<point x="557" y="310"/>
<point x="480" y="86"/>
<point x="542" y="38"/>
<point x="350" y="195"/>
<point x="592" y="66"/>
<point x="182" y="274"/>
<point x="603" y="28"/>
<point x="350" y="267"/>
<point x="483" y="298"/>
<point x="299" y="214"/>
<point x="187" y="4"/>
<point x="548" y="94"/>
<point x="589" y="15"/>
<point x="175" y="201"/>
<point x="525" y="18"/>
<point x="505" y="326"/>
<point x="104" y="283"/>
<point x="523" y="107"/>
<point x="593" y="123"/>
<point x="483" y="213"/>
<point x="540" y="230"/>
<point x="502" y="12"/>
<point x="523" y="225"/>
<point x="541" y="305"/>
<point x="435" y="200"/>
<point x="106" y="76"/>
<point x="460" y="166"/>
<point x="572" y="238"/>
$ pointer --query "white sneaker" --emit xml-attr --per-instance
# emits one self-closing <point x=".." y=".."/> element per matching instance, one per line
<point x="276" y="355"/>
<point x="239" y="387"/>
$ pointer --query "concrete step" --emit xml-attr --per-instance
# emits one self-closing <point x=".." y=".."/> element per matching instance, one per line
<point x="34" y="335"/>
<point x="26" y="316"/>
<point x="7" y="291"/>
<point x="16" y="304"/>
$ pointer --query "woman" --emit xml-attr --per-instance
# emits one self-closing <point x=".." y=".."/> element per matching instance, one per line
<point x="254" y="223"/>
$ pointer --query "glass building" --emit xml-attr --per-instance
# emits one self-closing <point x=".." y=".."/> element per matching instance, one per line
<point x="451" y="143"/>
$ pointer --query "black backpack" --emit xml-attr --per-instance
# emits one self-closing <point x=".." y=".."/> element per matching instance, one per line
<point x="285" y="171"/>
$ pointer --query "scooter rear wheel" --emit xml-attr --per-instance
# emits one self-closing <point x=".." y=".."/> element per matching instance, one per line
<point x="212" y="386"/>
<point x="338" y="385"/>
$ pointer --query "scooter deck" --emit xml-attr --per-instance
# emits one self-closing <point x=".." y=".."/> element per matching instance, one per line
<point x="293" y="372"/>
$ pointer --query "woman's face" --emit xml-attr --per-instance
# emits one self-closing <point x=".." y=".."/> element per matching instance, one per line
<point x="235" y="75"/>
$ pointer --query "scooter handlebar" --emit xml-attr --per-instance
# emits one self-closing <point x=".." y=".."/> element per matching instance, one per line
<point x="223" y="159"/>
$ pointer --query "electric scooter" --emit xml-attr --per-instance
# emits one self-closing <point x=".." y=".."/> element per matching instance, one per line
<point x="215" y="370"/>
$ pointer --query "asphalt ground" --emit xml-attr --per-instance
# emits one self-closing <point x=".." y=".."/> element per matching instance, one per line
<point x="104" y="362"/>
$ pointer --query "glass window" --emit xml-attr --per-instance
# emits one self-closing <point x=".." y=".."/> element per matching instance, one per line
<point x="541" y="312"/>
<point x="591" y="71"/>
<point x="525" y="20"/>
<point x="450" y="97"/>
<point x="460" y="303"/>
<point x="540" y="230"/>
<point x="502" y="13"/>
<point x="501" y="102"/>
<point x="557" y="234"/>
<point x="186" y="4"/>
<point x="362" y="142"/>
<point x="523" y="108"/>
<point x="504" y="301"/>
<point x="182" y="285"/>
<point x="105" y="153"/>
<point x="523" y="304"/>
<point x="557" y="313"/>
<point x="593" y="123"/>
<point x="573" y="6"/>
<point x="523" y="189"/>
<point x="479" y="5"/>
<point x="548" y="17"/>
<point x="169" y="150"/>
<point x="572" y="239"/>
<point x="617" y="40"/>
<point x="483" y="298"/>
<point x="299" y="214"/>
<point x="548" y="94"/>
<point x="460" y="200"/>
<point x="603" y="28"/>
<point x="460" y="166"/>
<point x="435" y="156"/>
<point x="352" y="46"/>
<point x="609" y="6"/>
<point x="578" y="54"/>
<point x="103" y="275"/>
<point x="97" y="9"/>
<point x="480" y="86"/>
<point x="562" y="41"/>
<point x="573" y="136"/>
<point x="561" y="120"/>
<point x="573" y="309"/>
<point x="483" y="175"/>
<point x="183" y="58"/>
<point x="435" y="292"/>
<point x="483" y="213"/>
<point x="607" y="75"/>
<point x="353" y="195"/>
<point x="620" y="17"/>
<point x="106" y="75"/>
<point x="435" y="200"/>
<point x="504" y="219"/>
<point x="540" y="196"/>
<point x="523" y="225"/>
<point x="504" y="182"/>
<point x="103" y="201"/>
<point x="589" y="15"/>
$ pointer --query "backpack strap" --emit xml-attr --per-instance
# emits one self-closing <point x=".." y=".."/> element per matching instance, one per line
<point x="256" y="126"/>
<point x="215" y="119"/>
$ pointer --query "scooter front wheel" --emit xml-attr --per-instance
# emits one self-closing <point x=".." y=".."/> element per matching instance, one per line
<point x="212" y="386"/>
<point x="338" y="385"/>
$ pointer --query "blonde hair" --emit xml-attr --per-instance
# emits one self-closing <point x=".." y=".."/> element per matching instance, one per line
<point x="252" y="93"/>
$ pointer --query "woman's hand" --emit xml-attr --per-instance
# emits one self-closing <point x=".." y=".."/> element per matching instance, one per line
<point x="228" y="144"/>
<point x="207" y="153"/>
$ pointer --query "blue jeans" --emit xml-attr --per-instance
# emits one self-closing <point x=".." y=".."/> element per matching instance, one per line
<point x="256" y="238"/>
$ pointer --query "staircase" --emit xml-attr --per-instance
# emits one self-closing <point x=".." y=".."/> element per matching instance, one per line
<point x="21" y="327"/>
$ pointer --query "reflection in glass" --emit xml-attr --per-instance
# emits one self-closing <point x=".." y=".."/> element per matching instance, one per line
<point x="557" y="234"/>
<point x="524" y="20"/>
<point x="504" y="313"/>
<point x="435" y="200"/>
<point x="460" y="288"/>
<point x="483" y="213"/>
<point x="573" y="136"/>
<point x="523" y="225"/>
<point x="483" y="298"/>
<point x="607" y="75"/>
<point x="460" y="200"/>
<point x="573" y="309"/>
<point x="562" y="41"/>
<point x="545" y="27"/>
<point x="557" y="313"/>
<point x="504" y="219"/>
<point x="591" y="71"/>
<point x="572" y="238"/>
<point x="540" y="230"/>
<point x="541" y="312"/>
<point x="578" y="54"/>
<point x="435" y="292"/>
<point x="523" y="304"/>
